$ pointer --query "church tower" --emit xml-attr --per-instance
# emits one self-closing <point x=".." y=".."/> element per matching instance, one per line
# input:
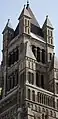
<point x="30" y="81"/>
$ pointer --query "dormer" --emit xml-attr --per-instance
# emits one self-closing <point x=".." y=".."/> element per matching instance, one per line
<point x="24" y="22"/>
<point x="48" y="31"/>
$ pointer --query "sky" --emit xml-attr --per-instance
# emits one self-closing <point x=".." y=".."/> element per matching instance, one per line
<point x="11" y="9"/>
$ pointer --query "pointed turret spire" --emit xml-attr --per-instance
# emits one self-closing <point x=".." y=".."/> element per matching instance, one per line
<point x="8" y="25"/>
<point x="47" y="22"/>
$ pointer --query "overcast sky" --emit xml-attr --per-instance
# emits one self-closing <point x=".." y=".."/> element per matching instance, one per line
<point x="12" y="8"/>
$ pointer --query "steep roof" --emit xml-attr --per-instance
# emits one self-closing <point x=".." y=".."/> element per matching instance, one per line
<point x="33" y="20"/>
<point x="24" y="13"/>
<point x="48" y="23"/>
<point x="8" y="26"/>
<point x="28" y="12"/>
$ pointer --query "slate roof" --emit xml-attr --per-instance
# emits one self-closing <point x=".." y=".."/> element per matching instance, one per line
<point x="47" y="23"/>
<point x="33" y="20"/>
<point x="8" y="26"/>
<point x="25" y="13"/>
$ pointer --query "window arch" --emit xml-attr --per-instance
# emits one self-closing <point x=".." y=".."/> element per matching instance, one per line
<point x="37" y="79"/>
<point x="51" y="41"/>
<point x="43" y="56"/>
<point x="38" y="54"/>
<point x="33" y="95"/>
<point x="42" y="116"/>
<point x="42" y="81"/>
<point x="38" y="96"/>
<point x="29" y="94"/>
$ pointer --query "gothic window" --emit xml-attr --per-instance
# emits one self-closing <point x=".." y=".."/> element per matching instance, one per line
<point x="51" y="41"/>
<point x="29" y="94"/>
<point x="51" y="33"/>
<point x="33" y="95"/>
<point x="43" y="116"/>
<point x="46" y="116"/>
<point x="43" y="56"/>
<point x="50" y="56"/>
<point x="42" y="98"/>
<point x="31" y="78"/>
<point x="48" y="39"/>
<point x="42" y="81"/>
<point x="38" y="94"/>
<point x="25" y="22"/>
<point x="28" y="23"/>
<point x="54" y="114"/>
<point x="48" y="101"/>
<point x="35" y="107"/>
<point x="37" y="79"/>
<point x="38" y="54"/>
<point x="51" y="113"/>
<point x="48" y="33"/>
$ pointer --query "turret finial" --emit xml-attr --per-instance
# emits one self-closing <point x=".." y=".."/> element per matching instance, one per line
<point x="27" y="4"/>
<point x="47" y="16"/>
<point x="8" y="22"/>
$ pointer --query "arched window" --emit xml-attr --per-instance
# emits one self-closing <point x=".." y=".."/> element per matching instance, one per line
<point x="46" y="116"/>
<point x="51" y="41"/>
<point x="33" y="95"/>
<point x="25" y="22"/>
<point x="31" y="78"/>
<point x="50" y="56"/>
<point x="38" y="97"/>
<point x="42" y="81"/>
<point x="51" y="33"/>
<point x="48" y="33"/>
<point x="42" y="116"/>
<point x="43" y="56"/>
<point x="37" y="79"/>
<point x="38" y="54"/>
<point x="29" y="94"/>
